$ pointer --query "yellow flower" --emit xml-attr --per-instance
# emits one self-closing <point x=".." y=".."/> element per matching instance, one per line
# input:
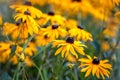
<point x="28" y="61"/>
<point x="54" y="31"/>
<point x="29" y="51"/>
<point x="28" y="21"/>
<point x="71" y="23"/>
<point x="95" y="66"/>
<point x="71" y="58"/>
<point x="1" y="20"/>
<point x="111" y="28"/>
<point x="80" y="34"/>
<point x="105" y="46"/>
<point x="5" y="50"/>
<point x="53" y="18"/>
<point x="43" y="40"/>
<point x="69" y="47"/>
<point x="27" y="7"/>
<point x="16" y="30"/>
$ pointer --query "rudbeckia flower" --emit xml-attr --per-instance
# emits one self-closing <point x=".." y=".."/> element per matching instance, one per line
<point x="27" y="7"/>
<point x="71" y="23"/>
<point x="15" y="30"/>
<point x="69" y="47"/>
<point x="54" y="31"/>
<point x="43" y="40"/>
<point x="1" y="21"/>
<point x="30" y="50"/>
<point x="53" y="18"/>
<point x="80" y="34"/>
<point x="95" y="66"/>
<point x="29" y="22"/>
<point x="71" y="58"/>
<point x="5" y="50"/>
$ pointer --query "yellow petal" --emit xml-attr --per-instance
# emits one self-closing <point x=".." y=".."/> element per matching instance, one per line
<point x="58" y="51"/>
<point x="88" y="71"/>
<point x="73" y="52"/>
<point x="84" y="69"/>
<point x="94" y="69"/>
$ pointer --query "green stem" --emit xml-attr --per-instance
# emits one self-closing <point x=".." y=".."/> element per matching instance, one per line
<point x="39" y="71"/>
<point x="16" y="76"/>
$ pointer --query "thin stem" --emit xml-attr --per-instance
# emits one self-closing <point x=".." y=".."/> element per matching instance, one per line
<point x="16" y="76"/>
<point x="39" y="71"/>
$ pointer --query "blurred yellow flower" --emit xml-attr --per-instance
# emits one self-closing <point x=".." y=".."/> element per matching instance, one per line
<point x="54" y="31"/>
<point x="69" y="47"/>
<point x="15" y="30"/>
<point x="105" y="46"/>
<point x="71" y="23"/>
<point x="1" y="21"/>
<point x="28" y="61"/>
<point x="29" y="51"/>
<point x="43" y="40"/>
<point x="53" y="18"/>
<point x="5" y="50"/>
<point x="71" y="58"/>
<point x="34" y="13"/>
<point x="112" y="28"/>
<point x="28" y="22"/>
<point x="95" y="66"/>
<point x="80" y="34"/>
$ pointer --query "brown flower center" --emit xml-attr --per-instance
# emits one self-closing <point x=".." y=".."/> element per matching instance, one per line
<point x="17" y="23"/>
<point x="27" y="12"/>
<point x="55" y="26"/>
<point x="80" y="27"/>
<point x="10" y="46"/>
<point x="46" y="37"/>
<point x="51" y="13"/>
<point x="28" y="3"/>
<point x="70" y="40"/>
<point x="96" y="61"/>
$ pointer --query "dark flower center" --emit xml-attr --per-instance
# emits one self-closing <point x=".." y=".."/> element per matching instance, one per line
<point x="10" y="46"/>
<point x="27" y="13"/>
<point x="96" y="61"/>
<point x="28" y="46"/>
<point x="80" y="27"/>
<point x="51" y="13"/>
<point x="55" y="26"/>
<point x="70" y="40"/>
<point x="28" y="3"/>
<point x="45" y="36"/>
<point x="18" y="23"/>
<point x="76" y="0"/>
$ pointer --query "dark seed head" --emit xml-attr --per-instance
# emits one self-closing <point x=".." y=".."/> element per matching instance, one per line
<point x="28" y="46"/>
<point x="96" y="61"/>
<point x="17" y="23"/>
<point x="45" y="36"/>
<point x="27" y="13"/>
<point x="70" y="40"/>
<point x="10" y="46"/>
<point x="51" y="13"/>
<point x="28" y="3"/>
<point x="55" y="26"/>
<point x="80" y="27"/>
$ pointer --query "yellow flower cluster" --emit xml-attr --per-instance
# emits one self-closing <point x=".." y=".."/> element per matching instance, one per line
<point x="65" y="34"/>
<point x="100" y="9"/>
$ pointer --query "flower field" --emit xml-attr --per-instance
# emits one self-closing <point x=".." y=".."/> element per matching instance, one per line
<point x="59" y="39"/>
